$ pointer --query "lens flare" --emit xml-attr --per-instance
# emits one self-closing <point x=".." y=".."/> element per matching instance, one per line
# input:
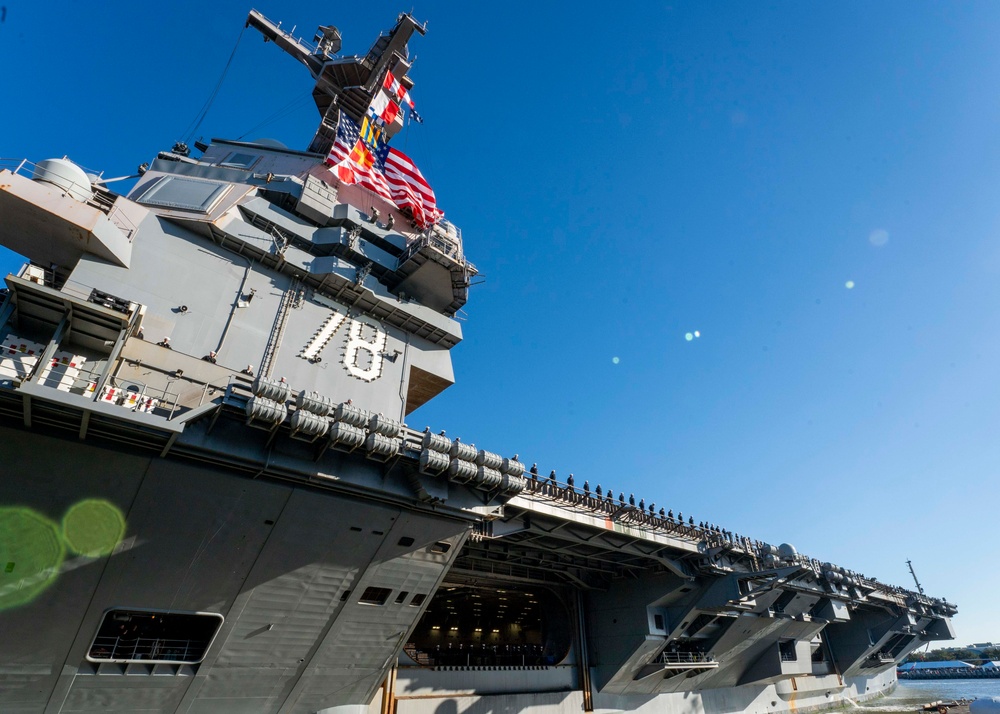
<point x="31" y="552"/>
<point x="878" y="237"/>
<point x="93" y="527"/>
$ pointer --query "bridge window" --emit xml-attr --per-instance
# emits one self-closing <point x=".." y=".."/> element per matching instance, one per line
<point x="152" y="636"/>
<point x="239" y="160"/>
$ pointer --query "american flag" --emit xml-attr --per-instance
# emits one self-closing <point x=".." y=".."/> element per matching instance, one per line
<point x="410" y="190"/>
<point x="388" y="173"/>
<point x="355" y="162"/>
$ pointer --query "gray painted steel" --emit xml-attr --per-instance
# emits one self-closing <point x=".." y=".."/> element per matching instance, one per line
<point x="214" y="372"/>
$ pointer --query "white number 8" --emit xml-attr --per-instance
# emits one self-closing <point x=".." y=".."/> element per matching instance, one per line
<point x="357" y="344"/>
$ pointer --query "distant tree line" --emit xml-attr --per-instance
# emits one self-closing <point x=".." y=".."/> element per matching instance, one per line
<point x="964" y="654"/>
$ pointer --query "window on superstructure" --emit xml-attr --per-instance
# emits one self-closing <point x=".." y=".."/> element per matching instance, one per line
<point x="237" y="160"/>
<point x="154" y="636"/>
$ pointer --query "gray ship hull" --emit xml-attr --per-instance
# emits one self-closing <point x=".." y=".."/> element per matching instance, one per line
<point x="183" y="531"/>
<point x="283" y="564"/>
<point x="274" y="559"/>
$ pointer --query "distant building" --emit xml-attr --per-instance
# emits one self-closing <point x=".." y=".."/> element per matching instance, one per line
<point x="951" y="664"/>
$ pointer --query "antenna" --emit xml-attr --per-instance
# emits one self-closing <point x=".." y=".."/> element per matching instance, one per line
<point x="920" y="588"/>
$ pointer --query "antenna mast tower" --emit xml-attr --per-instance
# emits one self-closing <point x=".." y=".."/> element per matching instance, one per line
<point x="920" y="588"/>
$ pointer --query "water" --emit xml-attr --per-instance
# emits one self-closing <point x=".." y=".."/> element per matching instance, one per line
<point x="910" y="694"/>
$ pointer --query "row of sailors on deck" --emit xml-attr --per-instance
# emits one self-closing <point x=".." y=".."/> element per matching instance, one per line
<point x="641" y="506"/>
<point x="601" y="499"/>
<point x="212" y="356"/>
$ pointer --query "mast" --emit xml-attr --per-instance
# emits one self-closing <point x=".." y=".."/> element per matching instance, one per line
<point x="920" y="588"/>
<point x="347" y="83"/>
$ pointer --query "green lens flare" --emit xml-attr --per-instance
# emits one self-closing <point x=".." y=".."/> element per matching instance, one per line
<point x="31" y="552"/>
<point x="93" y="527"/>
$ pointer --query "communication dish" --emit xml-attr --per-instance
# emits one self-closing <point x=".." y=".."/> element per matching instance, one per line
<point x="65" y="175"/>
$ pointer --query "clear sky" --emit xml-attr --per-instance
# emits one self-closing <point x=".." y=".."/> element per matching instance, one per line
<point x="811" y="188"/>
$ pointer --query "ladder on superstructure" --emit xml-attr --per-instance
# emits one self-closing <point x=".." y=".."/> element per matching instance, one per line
<point x="291" y="297"/>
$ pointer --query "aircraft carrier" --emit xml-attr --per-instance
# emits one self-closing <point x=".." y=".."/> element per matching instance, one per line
<point x="211" y="501"/>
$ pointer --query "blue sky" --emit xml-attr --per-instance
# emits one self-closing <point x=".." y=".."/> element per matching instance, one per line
<point x="625" y="179"/>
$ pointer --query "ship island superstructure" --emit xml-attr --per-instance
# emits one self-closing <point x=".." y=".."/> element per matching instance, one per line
<point x="212" y="503"/>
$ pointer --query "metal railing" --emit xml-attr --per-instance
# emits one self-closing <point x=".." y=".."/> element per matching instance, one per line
<point x="147" y="649"/>
<point x="101" y="197"/>
<point x="17" y="166"/>
<point x="442" y="243"/>
<point x="128" y="394"/>
<point x="138" y="397"/>
<point x="669" y="658"/>
<point x="16" y="372"/>
<point x="116" y="215"/>
<point x="62" y="377"/>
